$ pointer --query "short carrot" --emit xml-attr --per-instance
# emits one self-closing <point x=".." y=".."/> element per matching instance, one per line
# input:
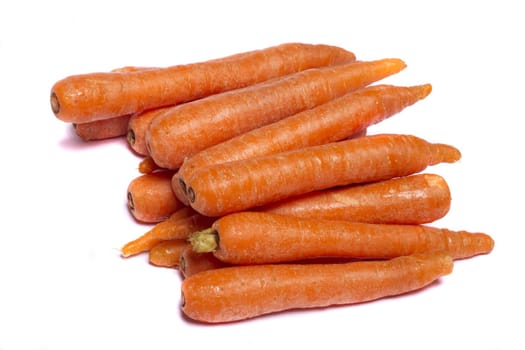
<point x="93" y="96"/>
<point x="103" y="129"/>
<point x="333" y="121"/>
<point x="224" y="188"/>
<point x="242" y="292"/>
<point x="179" y="226"/>
<point x="137" y="127"/>
<point x="413" y="199"/>
<point x="192" y="262"/>
<point x="260" y="238"/>
<point x="186" y="129"/>
<point x="150" y="198"/>
<point x="167" y="253"/>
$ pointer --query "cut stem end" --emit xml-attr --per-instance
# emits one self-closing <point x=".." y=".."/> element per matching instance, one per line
<point x="204" y="241"/>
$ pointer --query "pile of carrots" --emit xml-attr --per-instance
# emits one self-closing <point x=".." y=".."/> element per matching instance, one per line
<point x="261" y="184"/>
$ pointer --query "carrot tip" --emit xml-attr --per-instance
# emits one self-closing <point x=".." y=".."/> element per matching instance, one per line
<point x="191" y="194"/>
<point x="55" y="104"/>
<point x="131" y="203"/>
<point x="130" y="136"/>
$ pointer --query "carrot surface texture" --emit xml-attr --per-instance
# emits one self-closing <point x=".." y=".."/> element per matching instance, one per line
<point x="234" y="186"/>
<point x="103" y="129"/>
<point x="93" y="96"/>
<point x="260" y="238"/>
<point x="186" y="129"/>
<point x="241" y="292"/>
<point x="333" y="121"/>
<point x="167" y="253"/>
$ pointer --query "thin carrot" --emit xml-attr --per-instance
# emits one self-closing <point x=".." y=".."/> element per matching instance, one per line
<point x="192" y="262"/>
<point x="150" y="198"/>
<point x="262" y="238"/>
<point x="224" y="188"/>
<point x="413" y="199"/>
<point x="333" y="121"/>
<point x="93" y="96"/>
<point x="186" y="129"/>
<point x="103" y="129"/>
<point x="137" y="127"/>
<point x="167" y="253"/>
<point x="176" y="227"/>
<point x="242" y="292"/>
<point x="147" y="165"/>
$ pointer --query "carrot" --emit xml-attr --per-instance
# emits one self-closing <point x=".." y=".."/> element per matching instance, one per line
<point x="137" y="127"/>
<point x="192" y="262"/>
<point x="103" y="129"/>
<point x="167" y="253"/>
<point x="179" y="226"/>
<point x="413" y="199"/>
<point x="224" y="188"/>
<point x="262" y="238"/>
<point x="186" y="129"/>
<point x="131" y="69"/>
<point x="150" y="198"/>
<point x="93" y="96"/>
<point x="147" y="166"/>
<point x="333" y="121"/>
<point x="242" y="292"/>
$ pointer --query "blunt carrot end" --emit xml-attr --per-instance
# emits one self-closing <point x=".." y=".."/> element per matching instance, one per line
<point x="204" y="241"/>
<point x="55" y="104"/>
<point x="131" y="202"/>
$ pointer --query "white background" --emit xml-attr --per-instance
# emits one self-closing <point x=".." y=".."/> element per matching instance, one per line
<point x="63" y="284"/>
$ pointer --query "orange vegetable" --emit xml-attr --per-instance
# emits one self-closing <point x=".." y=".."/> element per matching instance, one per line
<point x="192" y="262"/>
<point x="150" y="198"/>
<point x="137" y="127"/>
<point x="333" y="121"/>
<point x="243" y="292"/>
<point x="224" y="188"/>
<point x="93" y="96"/>
<point x="262" y="238"/>
<point x="147" y="166"/>
<point x="103" y="129"/>
<point x="186" y="129"/>
<point x="168" y="253"/>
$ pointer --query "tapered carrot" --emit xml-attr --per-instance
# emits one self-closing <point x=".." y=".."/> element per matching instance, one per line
<point x="413" y="199"/>
<point x="176" y="227"/>
<point x="150" y="198"/>
<point x="103" y="129"/>
<point x="192" y="262"/>
<point x="147" y="165"/>
<point x="333" y="121"/>
<point x="262" y="238"/>
<point x="93" y="96"/>
<point x="167" y="253"/>
<point x="242" y="292"/>
<point x="224" y="188"/>
<point x="186" y="129"/>
<point x="137" y="127"/>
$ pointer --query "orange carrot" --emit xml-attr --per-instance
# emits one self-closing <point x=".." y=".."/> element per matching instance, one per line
<point x="137" y="127"/>
<point x="131" y="69"/>
<point x="93" y="96"/>
<point x="242" y="292"/>
<point x="150" y="198"/>
<point x="103" y="129"/>
<point x="147" y="166"/>
<point x="186" y="129"/>
<point x="192" y="262"/>
<point x="224" y="188"/>
<point x="413" y="199"/>
<point x="262" y="238"/>
<point x="167" y="253"/>
<point x="176" y="227"/>
<point x="333" y="121"/>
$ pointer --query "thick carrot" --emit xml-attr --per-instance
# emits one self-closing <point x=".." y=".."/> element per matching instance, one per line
<point x="333" y="121"/>
<point x="224" y="188"/>
<point x="147" y="166"/>
<point x="242" y="292"/>
<point x="176" y="227"/>
<point x="186" y="129"/>
<point x="168" y="253"/>
<point x="92" y="96"/>
<point x="262" y="238"/>
<point x="137" y="127"/>
<point x="413" y="199"/>
<point x="103" y="129"/>
<point x="192" y="262"/>
<point x="150" y="198"/>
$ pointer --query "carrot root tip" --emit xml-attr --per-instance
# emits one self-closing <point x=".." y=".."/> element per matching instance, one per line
<point x="55" y="104"/>
<point x="204" y="241"/>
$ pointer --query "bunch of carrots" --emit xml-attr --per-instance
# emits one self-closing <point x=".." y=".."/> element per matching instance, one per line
<point x="261" y="184"/>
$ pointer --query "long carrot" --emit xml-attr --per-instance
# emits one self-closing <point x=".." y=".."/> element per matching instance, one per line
<point x="242" y="292"/>
<point x="150" y="198"/>
<point x="138" y="126"/>
<point x="103" y="129"/>
<point x="186" y="129"/>
<point x="333" y="121"/>
<point x="93" y="96"/>
<point x="192" y="262"/>
<point x="224" y="188"/>
<point x="167" y="253"/>
<point x="262" y="238"/>
<point x="413" y="199"/>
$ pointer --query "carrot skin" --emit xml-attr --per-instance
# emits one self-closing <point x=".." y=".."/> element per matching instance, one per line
<point x="103" y="129"/>
<point x="94" y="96"/>
<point x="224" y="188"/>
<point x="167" y="253"/>
<point x="414" y="199"/>
<point x="186" y="129"/>
<point x="243" y="292"/>
<point x="192" y="262"/>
